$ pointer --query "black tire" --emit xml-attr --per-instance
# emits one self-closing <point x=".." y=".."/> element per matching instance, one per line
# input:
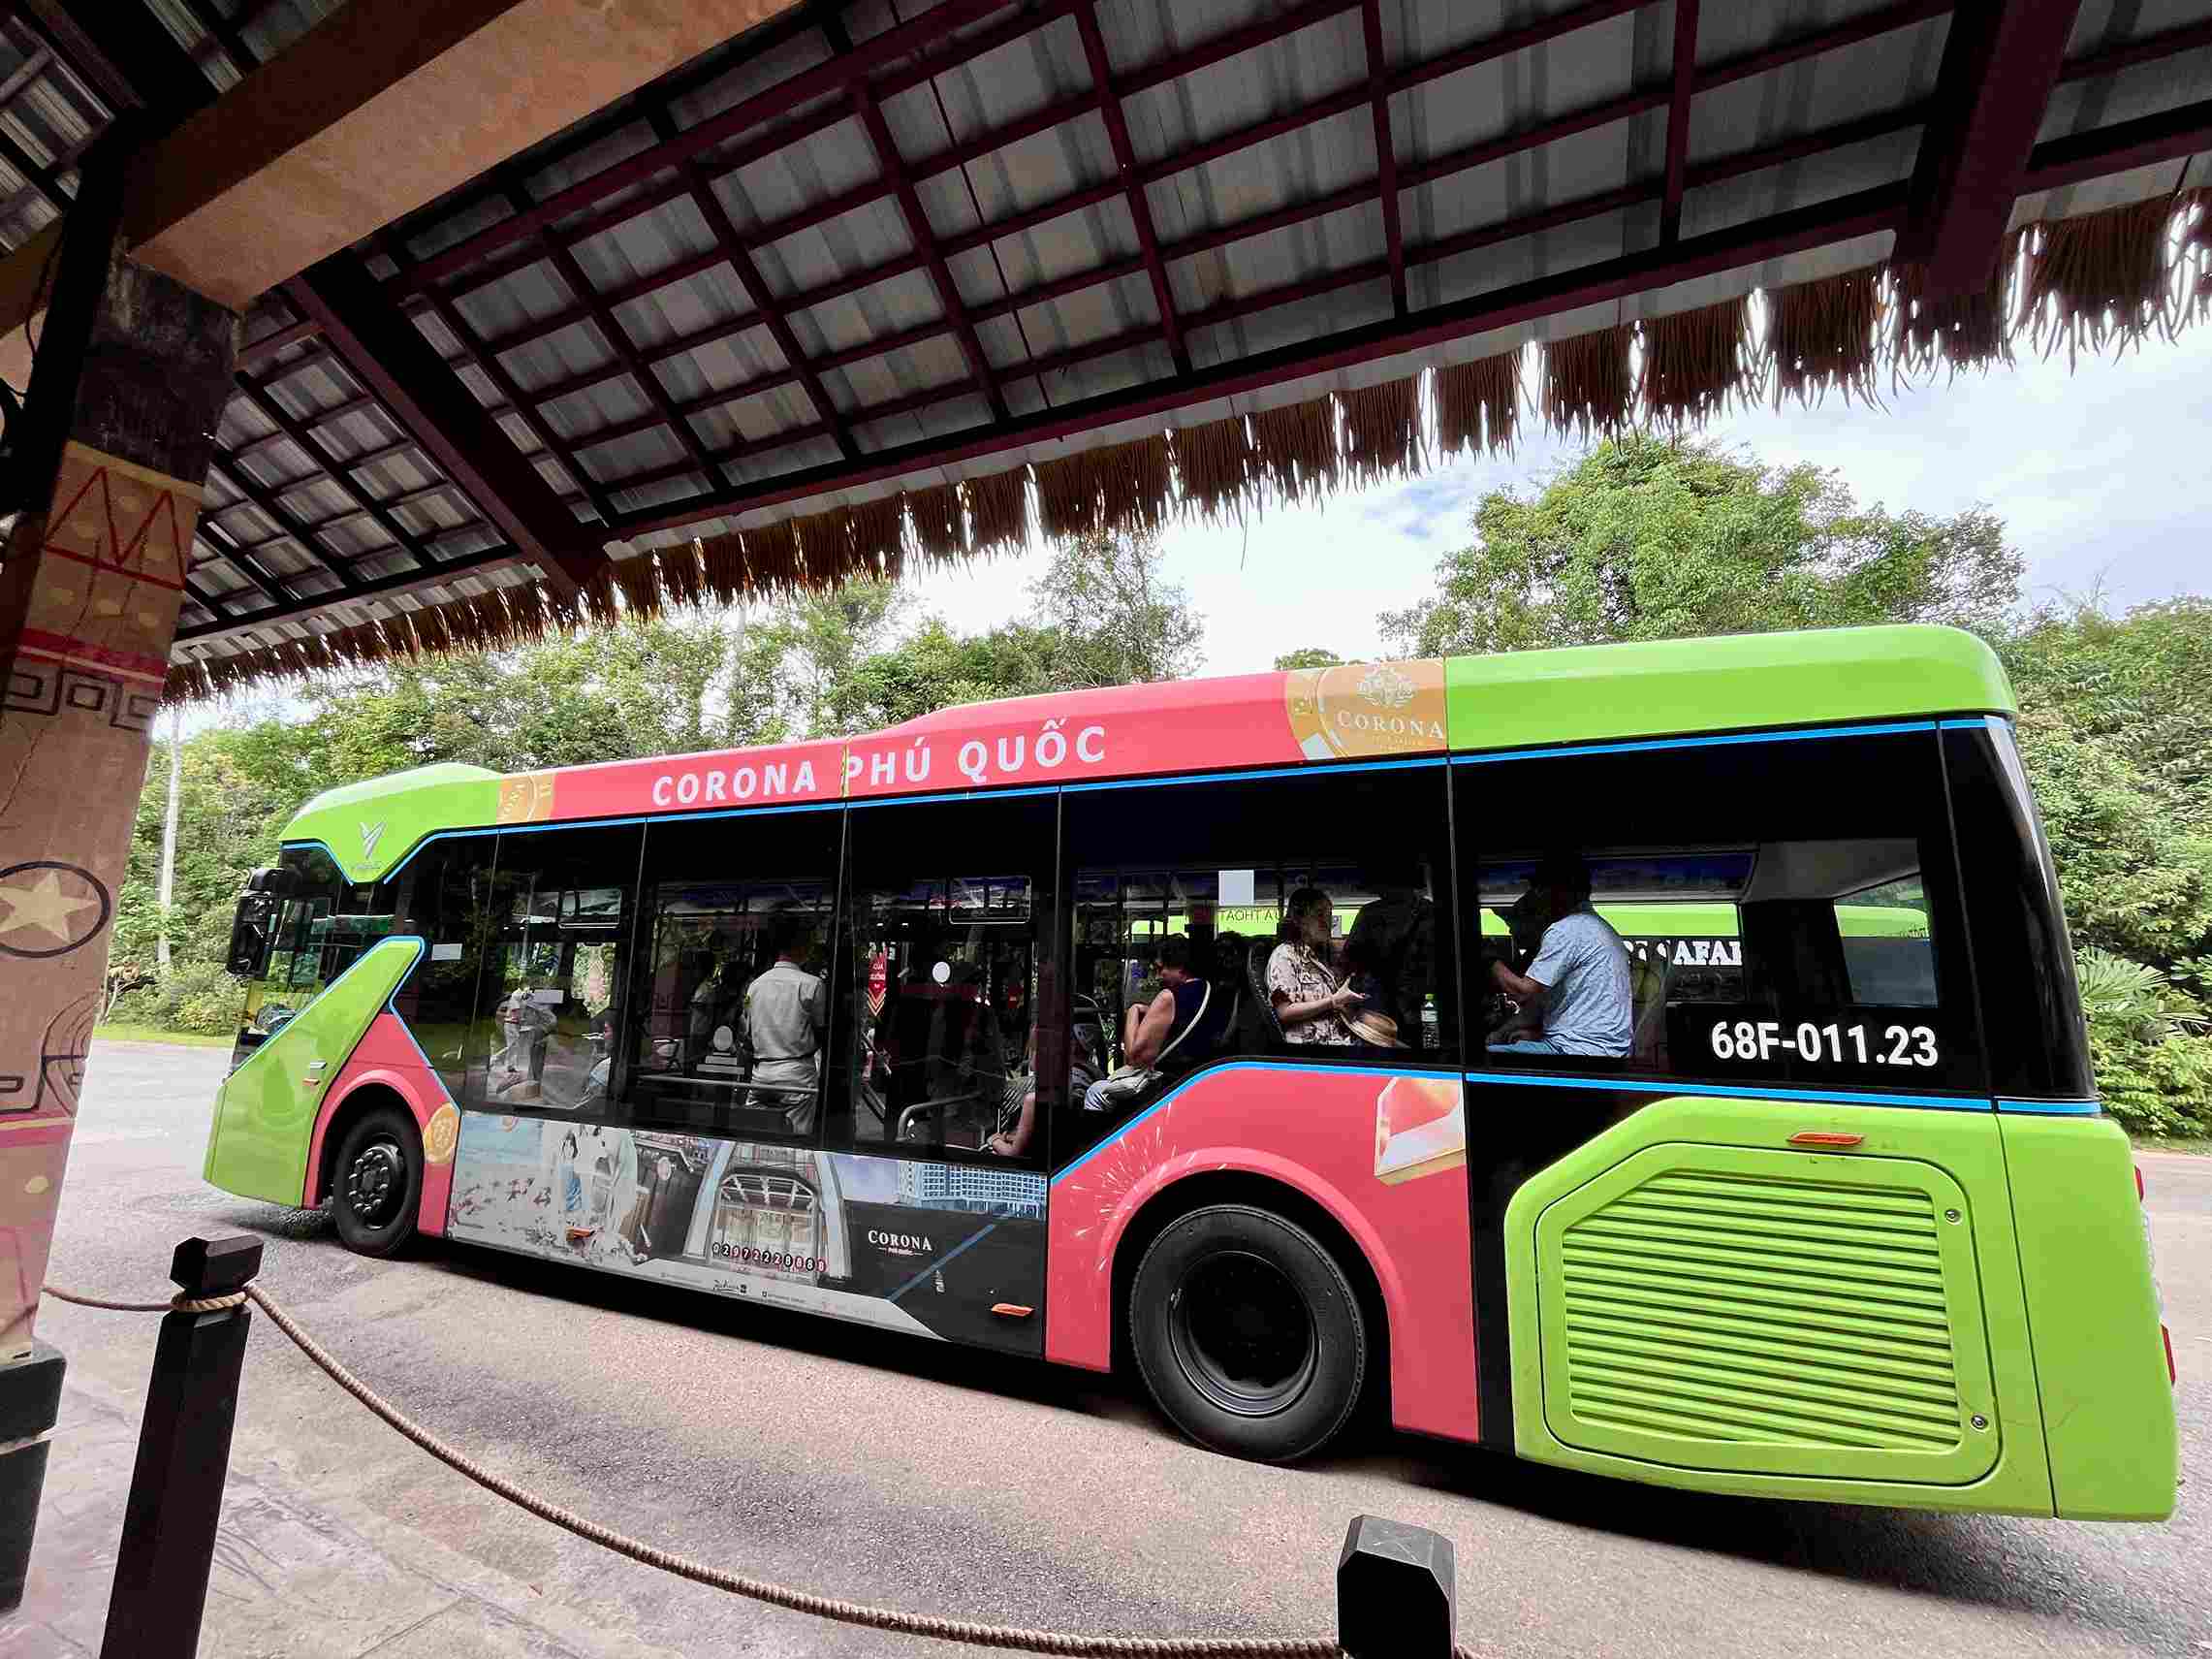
<point x="1248" y="1333"/>
<point x="376" y="1182"/>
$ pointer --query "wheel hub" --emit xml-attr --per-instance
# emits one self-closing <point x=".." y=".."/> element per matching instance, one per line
<point x="374" y="1183"/>
<point x="1243" y="1334"/>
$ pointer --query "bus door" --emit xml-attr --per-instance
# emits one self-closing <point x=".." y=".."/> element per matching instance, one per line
<point x="948" y="1061"/>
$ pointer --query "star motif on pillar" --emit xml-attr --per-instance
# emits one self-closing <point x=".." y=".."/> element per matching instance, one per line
<point x="42" y="904"/>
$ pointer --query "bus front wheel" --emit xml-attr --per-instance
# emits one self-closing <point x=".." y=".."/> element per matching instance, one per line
<point x="377" y="1188"/>
<point x="1248" y="1333"/>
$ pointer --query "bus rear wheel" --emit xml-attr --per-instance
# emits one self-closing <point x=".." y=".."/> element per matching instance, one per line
<point x="376" y="1189"/>
<point x="1248" y="1333"/>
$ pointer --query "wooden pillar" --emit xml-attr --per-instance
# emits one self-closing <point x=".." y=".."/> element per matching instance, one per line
<point x="132" y="373"/>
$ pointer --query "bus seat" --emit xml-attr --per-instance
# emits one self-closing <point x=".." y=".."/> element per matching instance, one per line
<point x="1647" y="1044"/>
<point x="1262" y="1005"/>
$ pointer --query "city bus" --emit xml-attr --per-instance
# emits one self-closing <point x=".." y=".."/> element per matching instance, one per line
<point x="1835" y="1215"/>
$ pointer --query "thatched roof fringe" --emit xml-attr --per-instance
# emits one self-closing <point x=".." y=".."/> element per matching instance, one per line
<point x="939" y="534"/>
<point x="1067" y="495"/>
<point x="1382" y="431"/>
<point x="2193" y="256"/>
<point x="2100" y="278"/>
<point x="1968" y="332"/>
<point x="1294" y="449"/>
<point x="1587" y="390"/>
<point x="1695" y="363"/>
<point x="1136" y="485"/>
<point x="999" y="511"/>
<point x="2107" y="278"/>
<point x="1214" y="465"/>
<point x="1478" y="403"/>
<point x="1820" y="335"/>
<point x="879" y="532"/>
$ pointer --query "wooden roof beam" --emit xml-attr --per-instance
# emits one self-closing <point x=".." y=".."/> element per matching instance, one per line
<point x="382" y="107"/>
<point x="2000" y="64"/>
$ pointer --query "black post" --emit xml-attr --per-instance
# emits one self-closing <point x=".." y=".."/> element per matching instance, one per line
<point x="1397" y="1596"/>
<point x="30" y="1402"/>
<point x="184" y="1454"/>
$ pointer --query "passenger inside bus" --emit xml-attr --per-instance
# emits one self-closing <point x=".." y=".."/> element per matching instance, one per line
<point x="787" y="1010"/>
<point x="1574" y="997"/>
<point x="1388" y="960"/>
<point x="1086" y="1064"/>
<point x="1310" y="1002"/>
<point x="1179" y="1028"/>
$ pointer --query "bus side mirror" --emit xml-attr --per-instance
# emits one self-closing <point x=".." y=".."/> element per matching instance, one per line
<point x="272" y="880"/>
<point x="249" y="935"/>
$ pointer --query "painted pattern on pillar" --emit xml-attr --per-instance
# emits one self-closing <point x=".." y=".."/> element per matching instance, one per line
<point x="102" y="580"/>
<point x="103" y="610"/>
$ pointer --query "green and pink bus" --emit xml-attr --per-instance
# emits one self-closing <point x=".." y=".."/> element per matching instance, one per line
<point x="1835" y="1217"/>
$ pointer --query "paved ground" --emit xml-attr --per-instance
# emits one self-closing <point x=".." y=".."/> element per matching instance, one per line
<point x="880" y="1468"/>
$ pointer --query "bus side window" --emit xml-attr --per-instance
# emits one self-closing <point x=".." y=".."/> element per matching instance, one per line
<point x="1355" y="864"/>
<point x="950" y="1033"/>
<point x="1758" y="911"/>
<point x="556" y="921"/>
<point x="447" y="903"/>
<point x="728" y="905"/>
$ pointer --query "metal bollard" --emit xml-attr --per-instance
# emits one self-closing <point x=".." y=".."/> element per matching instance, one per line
<point x="1397" y="1594"/>
<point x="184" y="1455"/>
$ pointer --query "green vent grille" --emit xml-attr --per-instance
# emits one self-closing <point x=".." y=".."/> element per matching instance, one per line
<point x="1722" y="1309"/>
<point x="1731" y="1314"/>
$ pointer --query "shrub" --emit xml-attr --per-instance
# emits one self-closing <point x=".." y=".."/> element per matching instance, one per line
<point x="2148" y="1042"/>
<point x="197" y="996"/>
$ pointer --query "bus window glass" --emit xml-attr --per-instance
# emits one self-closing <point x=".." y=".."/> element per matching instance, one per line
<point x="2023" y="958"/>
<point x="1888" y="952"/>
<point x="547" y="1010"/>
<point x="446" y="901"/>
<point x="1776" y="912"/>
<point x="948" y="911"/>
<point x="732" y="1003"/>
<point x="1275" y="895"/>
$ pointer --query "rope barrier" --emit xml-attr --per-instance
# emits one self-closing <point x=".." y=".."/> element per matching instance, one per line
<point x="833" y="1607"/>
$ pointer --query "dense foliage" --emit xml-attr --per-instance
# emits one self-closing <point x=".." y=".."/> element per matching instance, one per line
<point x="1648" y="539"/>
<point x="1641" y="539"/>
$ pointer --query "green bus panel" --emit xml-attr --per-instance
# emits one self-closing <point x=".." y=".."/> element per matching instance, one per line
<point x="2101" y="1363"/>
<point x="1694" y="1302"/>
<point x="265" y="1112"/>
<point x="1592" y="693"/>
<point x="370" y="826"/>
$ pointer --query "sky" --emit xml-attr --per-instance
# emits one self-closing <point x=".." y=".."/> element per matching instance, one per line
<point x="2100" y="476"/>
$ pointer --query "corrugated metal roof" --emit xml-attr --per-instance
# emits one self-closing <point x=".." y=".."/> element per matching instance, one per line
<point x="762" y="284"/>
<point x="1066" y="307"/>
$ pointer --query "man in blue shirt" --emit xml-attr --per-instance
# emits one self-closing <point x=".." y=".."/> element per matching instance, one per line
<point x="1576" y="992"/>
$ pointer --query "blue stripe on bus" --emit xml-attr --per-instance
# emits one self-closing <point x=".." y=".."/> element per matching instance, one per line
<point x="2053" y="1108"/>
<point x="1642" y="743"/>
<point x="1282" y="1066"/>
<point x="943" y="1261"/>
<point x="1973" y="726"/>
<point x="1662" y="1086"/>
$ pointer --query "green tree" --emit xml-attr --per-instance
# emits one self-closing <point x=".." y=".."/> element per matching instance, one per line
<point x="1109" y="616"/>
<point x="1312" y="656"/>
<point x="1646" y="538"/>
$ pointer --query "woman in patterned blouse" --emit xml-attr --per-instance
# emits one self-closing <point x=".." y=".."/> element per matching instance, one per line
<point x="1306" y="997"/>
